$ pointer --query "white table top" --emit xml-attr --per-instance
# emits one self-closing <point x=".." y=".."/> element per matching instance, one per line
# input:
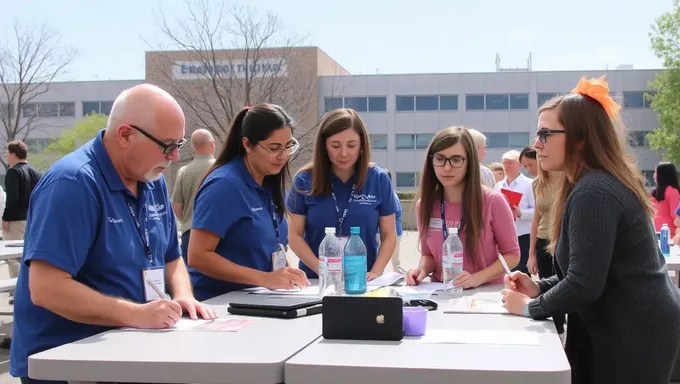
<point x="255" y="354"/>
<point x="7" y="253"/>
<point x="412" y="361"/>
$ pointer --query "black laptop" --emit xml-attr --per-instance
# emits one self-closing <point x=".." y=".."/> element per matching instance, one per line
<point x="280" y="306"/>
<point x="363" y="318"/>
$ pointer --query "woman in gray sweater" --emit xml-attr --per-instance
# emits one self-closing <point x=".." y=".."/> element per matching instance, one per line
<point x="615" y="288"/>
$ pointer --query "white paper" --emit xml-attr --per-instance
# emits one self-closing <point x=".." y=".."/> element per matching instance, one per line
<point x="386" y="279"/>
<point x="475" y="305"/>
<point x="225" y="324"/>
<point x="492" y="337"/>
<point x="306" y="291"/>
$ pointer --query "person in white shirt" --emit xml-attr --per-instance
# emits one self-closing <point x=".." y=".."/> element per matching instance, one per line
<point x="480" y="142"/>
<point x="515" y="181"/>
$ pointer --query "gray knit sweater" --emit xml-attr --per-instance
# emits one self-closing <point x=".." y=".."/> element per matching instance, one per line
<point x="616" y="279"/>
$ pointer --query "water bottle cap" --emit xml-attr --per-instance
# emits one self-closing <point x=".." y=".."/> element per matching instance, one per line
<point x="354" y="230"/>
<point x="453" y="231"/>
<point x="329" y="230"/>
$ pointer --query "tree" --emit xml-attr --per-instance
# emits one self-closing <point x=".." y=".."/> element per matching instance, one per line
<point x="665" y="40"/>
<point x="69" y="140"/>
<point x="226" y="52"/>
<point x="29" y="62"/>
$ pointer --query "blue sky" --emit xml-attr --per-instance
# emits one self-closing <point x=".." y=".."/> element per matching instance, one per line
<point x="366" y="36"/>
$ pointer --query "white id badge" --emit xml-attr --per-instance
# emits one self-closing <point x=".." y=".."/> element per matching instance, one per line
<point x="153" y="280"/>
<point x="279" y="259"/>
<point x="435" y="223"/>
<point x="343" y="240"/>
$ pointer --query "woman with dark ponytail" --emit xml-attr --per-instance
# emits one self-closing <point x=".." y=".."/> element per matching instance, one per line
<point x="237" y="233"/>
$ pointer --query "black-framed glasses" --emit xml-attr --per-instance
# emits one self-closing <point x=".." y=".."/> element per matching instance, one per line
<point x="543" y="134"/>
<point x="289" y="148"/>
<point x="167" y="148"/>
<point x="456" y="161"/>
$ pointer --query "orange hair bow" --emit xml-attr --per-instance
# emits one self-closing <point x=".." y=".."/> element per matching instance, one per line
<point x="598" y="89"/>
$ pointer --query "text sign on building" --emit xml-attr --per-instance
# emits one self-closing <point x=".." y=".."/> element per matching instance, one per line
<point x="265" y="67"/>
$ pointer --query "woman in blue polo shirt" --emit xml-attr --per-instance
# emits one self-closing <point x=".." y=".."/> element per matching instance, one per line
<point x="341" y="189"/>
<point x="236" y="238"/>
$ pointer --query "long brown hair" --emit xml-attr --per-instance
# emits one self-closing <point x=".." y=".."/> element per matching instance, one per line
<point x="333" y="123"/>
<point x="594" y="141"/>
<point x="431" y="190"/>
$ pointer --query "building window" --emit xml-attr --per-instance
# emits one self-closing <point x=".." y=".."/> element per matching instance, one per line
<point x="6" y="110"/>
<point x="637" y="99"/>
<point x="36" y="145"/>
<point x="67" y="109"/>
<point x="512" y="140"/>
<point x="496" y="102"/>
<point x="406" y="179"/>
<point x="377" y="104"/>
<point x="519" y="101"/>
<point x="405" y="103"/>
<point x="518" y="139"/>
<point x="331" y="103"/>
<point x="427" y="103"/>
<point x="406" y="141"/>
<point x="543" y="97"/>
<point x="474" y="102"/>
<point x="103" y="107"/>
<point x="448" y="102"/>
<point x="638" y="138"/>
<point x="358" y="103"/>
<point x="378" y="141"/>
<point x="48" y="110"/>
<point x="423" y="140"/>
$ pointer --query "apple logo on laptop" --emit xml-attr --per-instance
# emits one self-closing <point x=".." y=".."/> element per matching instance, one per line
<point x="380" y="319"/>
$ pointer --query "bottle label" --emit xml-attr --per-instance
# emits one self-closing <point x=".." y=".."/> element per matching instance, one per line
<point x="334" y="264"/>
<point x="458" y="259"/>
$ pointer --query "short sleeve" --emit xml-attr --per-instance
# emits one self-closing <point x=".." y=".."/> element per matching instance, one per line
<point x="673" y="197"/>
<point x="387" y="205"/>
<point x="174" y="251"/>
<point x="218" y="205"/>
<point x="48" y="239"/>
<point x="424" y="248"/>
<point x="503" y="224"/>
<point x="295" y="201"/>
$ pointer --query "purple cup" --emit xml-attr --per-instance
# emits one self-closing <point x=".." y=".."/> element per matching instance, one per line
<point x="415" y="321"/>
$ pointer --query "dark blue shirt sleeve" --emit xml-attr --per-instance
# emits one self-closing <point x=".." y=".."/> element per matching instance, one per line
<point x="48" y="238"/>
<point x="387" y="205"/>
<point x="174" y="251"/>
<point x="218" y="205"/>
<point x="295" y="201"/>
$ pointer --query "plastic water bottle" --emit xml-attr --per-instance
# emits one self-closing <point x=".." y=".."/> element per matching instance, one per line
<point x="355" y="263"/>
<point x="330" y="265"/>
<point x="664" y="239"/>
<point x="452" y="260"/>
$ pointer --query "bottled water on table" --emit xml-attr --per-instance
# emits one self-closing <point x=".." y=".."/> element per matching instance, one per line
<point x="452" y="260"/>
<point x="355" y="263"/>
<point x="330" y="265"/>
<point x="664" y="240"/>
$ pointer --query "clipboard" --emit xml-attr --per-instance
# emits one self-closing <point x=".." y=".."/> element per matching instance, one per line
<point x="513" y="197"/>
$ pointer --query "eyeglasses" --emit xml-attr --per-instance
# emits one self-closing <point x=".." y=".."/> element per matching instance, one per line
<point x="167" y="148"/>
<point x="288" y="149"/>
<point x="456" y="161"/>
<point x="543" y="134"/>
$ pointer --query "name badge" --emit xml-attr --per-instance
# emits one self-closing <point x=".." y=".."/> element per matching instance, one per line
<point x="436" y="223"/>
<point x="153" y="280"/>
<point x="279" y="259"/>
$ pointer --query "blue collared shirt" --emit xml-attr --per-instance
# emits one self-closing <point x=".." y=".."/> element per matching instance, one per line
<point x="79" y="221"/>
<point x="375" y="199"/>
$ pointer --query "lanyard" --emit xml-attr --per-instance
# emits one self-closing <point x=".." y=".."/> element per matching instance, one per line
<point x="145" y="236"/>
<point x="341" y="219"/>
<point x="275" y="220"/>
<point x="445" y="232"/>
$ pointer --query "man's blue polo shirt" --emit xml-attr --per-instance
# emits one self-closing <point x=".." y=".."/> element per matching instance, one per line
<point x="230" y="204"/>
<point x="80" y="222"/>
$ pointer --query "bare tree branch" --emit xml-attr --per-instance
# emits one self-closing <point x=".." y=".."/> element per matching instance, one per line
<point x="29" y="62"/>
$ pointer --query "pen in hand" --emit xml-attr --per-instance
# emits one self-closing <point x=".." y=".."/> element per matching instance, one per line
<point x="505" y="265"/>
<point x="160" y="293"/>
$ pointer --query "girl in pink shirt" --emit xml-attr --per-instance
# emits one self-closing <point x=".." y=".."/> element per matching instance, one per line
<point x="666" y="196"/>
<point x="451" y="182"/>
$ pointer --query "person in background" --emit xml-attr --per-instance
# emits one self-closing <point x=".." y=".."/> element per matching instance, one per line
<point x="540" y="262"/>
<point x="20" y="180"/>
<point x="524" y="213"/>
<point x="451" y="195"/>
<point x="396" y="262"/>
<point x="239" y="215"/>
<point x="188" y="179"/>
<point x="480" y="144"/>
<point x="528" y="160"/>
<point x="101" y="247"/>
<point x="623" y="320"/>
<point x="498" y="173"/>
<point x="666" y="196"/>
<point x="341" y="189"/>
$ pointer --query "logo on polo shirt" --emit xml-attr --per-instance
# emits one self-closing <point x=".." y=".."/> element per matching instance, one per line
<point x="156" y="211"/>
<point x="364" y="199"/>
<point x="256" y="209"/>
<point x="114" y="221"/>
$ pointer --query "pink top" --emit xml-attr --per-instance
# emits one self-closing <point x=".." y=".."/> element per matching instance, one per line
<point x="498" y="233"/>
<point x="665" y="210"/>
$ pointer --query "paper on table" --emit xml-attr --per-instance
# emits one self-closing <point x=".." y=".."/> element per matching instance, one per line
<point x="229" y="324"/>
<point x="306" y="291"/>
<point x="475" y="305"/>
<point x="386" y="279"/>
<point x="441" y="336"/>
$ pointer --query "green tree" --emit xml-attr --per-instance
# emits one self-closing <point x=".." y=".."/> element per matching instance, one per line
<point x="69" y="140"/>
<point x="665" y="41"/>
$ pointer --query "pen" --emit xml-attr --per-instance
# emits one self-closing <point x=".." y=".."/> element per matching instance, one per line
<point x="505" y="265"/>
<point x="157" y="290"/>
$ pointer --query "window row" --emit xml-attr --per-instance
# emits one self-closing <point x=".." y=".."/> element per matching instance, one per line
<point x="407" y="179"/>
<point x="422" y="140"/>
<point x="37" y="145"/>
<point x="56" y="109"/>
<point x="359" y="104"/>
